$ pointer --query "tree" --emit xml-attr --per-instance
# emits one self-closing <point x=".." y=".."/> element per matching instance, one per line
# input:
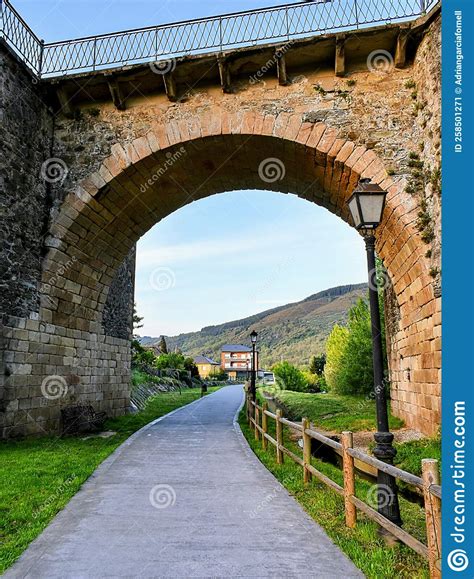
<point x="141" y="355"/>
<point x="349" y="366"/>
<point x="163" y="345"/>
<point x="190" y="366"/>
<point x="136" y="319"/>
<point x="289" y="377"/>
<point x="357" y="375"/>
<point x="335" y="349"/>
<point x="170" y="362"/>
<point x="316" y="364"/>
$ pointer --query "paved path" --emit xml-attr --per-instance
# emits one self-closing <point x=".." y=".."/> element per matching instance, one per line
<point x="217" y="513"/>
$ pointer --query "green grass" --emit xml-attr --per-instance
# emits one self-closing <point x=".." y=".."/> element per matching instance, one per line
<point x="330" y="411"/>
<point x="139" y="377"/>
<point x="362" y="545"/>
<point x="39" y="476"/>
<point x="410" y="454"/>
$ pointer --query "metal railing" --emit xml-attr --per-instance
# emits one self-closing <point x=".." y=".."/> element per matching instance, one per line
<point x="19" y="36"/>
<point x="203" y="35"/>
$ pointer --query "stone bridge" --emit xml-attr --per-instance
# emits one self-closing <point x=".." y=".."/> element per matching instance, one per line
<point x="92" y="161"/>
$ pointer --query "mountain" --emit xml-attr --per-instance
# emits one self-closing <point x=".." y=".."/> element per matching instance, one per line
<point x="293" y="332"/>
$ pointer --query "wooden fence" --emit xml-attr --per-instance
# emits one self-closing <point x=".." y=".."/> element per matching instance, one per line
<point x="258" y="416"/>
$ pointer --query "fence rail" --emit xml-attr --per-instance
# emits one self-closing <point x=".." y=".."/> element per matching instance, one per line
<point x="257" y="417"/>
<point x="203" y="35"/>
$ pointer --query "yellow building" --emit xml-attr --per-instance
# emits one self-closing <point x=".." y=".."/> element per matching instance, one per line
<point x="206" y="366"/>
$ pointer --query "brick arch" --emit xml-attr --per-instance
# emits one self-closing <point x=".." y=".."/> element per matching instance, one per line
<point x="202" y="155"/>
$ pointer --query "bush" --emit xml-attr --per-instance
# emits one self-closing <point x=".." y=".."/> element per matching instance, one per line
<point x="142" y="356"/>
<point x="218" y="375"/>
<point x="317" y="364"/>
<point x="289" y="377"/>
<point x="349" y="366"/>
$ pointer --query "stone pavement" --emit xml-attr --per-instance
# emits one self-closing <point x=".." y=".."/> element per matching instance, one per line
<point x="184" y="497"/>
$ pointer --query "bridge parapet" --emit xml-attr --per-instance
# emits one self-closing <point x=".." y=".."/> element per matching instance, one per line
<point x="202" y="35"/>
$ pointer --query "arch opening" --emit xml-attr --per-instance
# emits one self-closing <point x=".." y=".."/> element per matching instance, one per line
<point x="143" y="181"/>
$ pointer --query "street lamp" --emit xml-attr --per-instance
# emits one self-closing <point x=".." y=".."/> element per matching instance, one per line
<point x="366" y="205"/>
<point x="253" y="379"/>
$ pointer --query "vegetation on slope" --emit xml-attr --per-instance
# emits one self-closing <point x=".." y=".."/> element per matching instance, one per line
<point x="331" y="412"/>
<point x="293" y="332"/>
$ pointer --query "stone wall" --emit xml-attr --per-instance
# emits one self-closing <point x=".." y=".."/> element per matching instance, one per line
<point x="39" y="363"/>
<point x="26" y="129"/>
<point x="117" y="317"/>
<point x="328" y="132"/>
<point x="48" y="367"/>
<point x="415" y="349"/>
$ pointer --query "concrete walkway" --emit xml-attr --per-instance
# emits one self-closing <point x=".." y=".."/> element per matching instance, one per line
<point x="184" y="497"/>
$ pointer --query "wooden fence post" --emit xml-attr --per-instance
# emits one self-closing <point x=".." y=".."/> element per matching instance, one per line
<point x="349" y="479"/>
<point x="306" y="451"/>
<point x="257" y="420"/>
<point x="264" y="426"/>
<point x="279" y="435"/>
<point x="430" y="473"/>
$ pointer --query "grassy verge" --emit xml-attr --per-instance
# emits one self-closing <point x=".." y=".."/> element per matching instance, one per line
<point x="39" y="476"/>
<point x="330" y="411"/>
<point x="362" y="544"/>
<point x="410" y="454"/>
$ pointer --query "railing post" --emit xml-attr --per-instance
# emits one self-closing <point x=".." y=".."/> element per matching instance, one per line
<point x="422" y="6"/>
<point x="94" y="57"/>
<point x="221" y="40"/>
<point x="430" y="473"/>
<point x="306" y="451"/>
<point x="41" y="57"/>
<point x="264" y="426"/>
<point x="257" y="420"/>
<point x="279" y="435"/>
<point x="349" y="479"/>
<point x="356" y="13"/>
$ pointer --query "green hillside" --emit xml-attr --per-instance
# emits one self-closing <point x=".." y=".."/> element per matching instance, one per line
<point x="293" y="332"/>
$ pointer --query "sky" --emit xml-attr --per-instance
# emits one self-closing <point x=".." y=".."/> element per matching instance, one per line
<point x="230" y="255"/>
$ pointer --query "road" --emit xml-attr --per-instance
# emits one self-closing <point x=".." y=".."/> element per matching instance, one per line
<point x="184" y="497"/>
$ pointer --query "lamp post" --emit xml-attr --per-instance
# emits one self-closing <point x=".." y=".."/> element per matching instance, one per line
<point x="253" y="379"/>
<point x="366" y="205"/>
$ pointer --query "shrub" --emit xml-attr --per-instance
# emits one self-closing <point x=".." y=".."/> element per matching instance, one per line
<point x="289" y="377"/>
<point x="218" y="375"/>
<point x="317" y="363"/>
